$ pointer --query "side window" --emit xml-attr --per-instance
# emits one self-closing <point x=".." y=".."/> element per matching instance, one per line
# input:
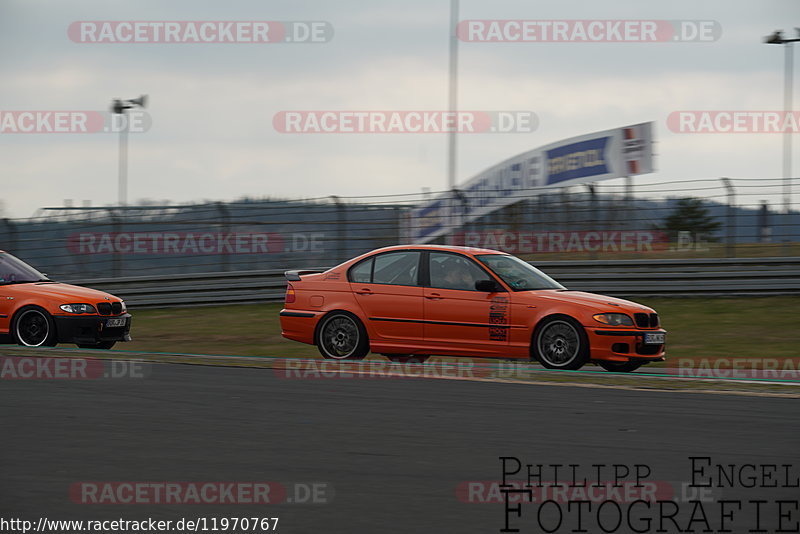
<point x="450" y="271"/>
<point x="362" y="272"/>
<point x="397" y="268"/>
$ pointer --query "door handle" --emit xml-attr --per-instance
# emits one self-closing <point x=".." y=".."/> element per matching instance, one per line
<point x="433" y="296"/>
<point x="365" y="291"/>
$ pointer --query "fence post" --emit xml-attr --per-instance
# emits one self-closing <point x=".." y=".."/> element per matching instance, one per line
<point x="566" y="209"/>
<point x="400" y="230"/>
<point x="630" y="204"/>
<point x="515" y="212"/>
<point x="225" y="225"/>
<point x="10" y="238"/>
<point x="116" y="228"/>
<point x="730" y="227"/>
<point x="340" y="222"/>
<point x="764" y="229"/>
<point x="541" y="207"/>
<point x="593" y="218"/>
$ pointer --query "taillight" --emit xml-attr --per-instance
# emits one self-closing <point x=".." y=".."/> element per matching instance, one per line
<point x="289" y="294"/>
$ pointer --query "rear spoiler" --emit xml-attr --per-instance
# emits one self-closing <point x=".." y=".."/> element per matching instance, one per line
<point x="294" y="276"/>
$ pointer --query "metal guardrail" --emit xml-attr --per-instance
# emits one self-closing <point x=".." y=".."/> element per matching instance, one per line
<point x="201" y="289"/>
<point x="712" y="277"/>
<point x="622" y="278"/>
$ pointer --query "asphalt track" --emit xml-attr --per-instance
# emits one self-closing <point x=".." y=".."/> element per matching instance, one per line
<point x="391" y="452"/>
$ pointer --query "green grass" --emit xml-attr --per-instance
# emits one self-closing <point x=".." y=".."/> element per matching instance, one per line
<point x="754" y="327"/>
<point x="247" y="330"/>
<point x="698" y="328"/>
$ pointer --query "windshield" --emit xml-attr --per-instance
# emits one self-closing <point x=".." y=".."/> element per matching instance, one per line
<point x="519" y="275"/>
<point x="15" y="271"/>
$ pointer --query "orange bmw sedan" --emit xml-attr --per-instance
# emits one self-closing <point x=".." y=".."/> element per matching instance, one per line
<point x="411" y="302"/>
<point x="38" y="312"/>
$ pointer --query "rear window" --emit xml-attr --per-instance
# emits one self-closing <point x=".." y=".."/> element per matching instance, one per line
<point x="394" y="268"/>
<point x="361" y="273"/>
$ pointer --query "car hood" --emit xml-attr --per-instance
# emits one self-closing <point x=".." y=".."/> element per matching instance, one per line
<point x="599" y="302"/>
<point x="65" y="293"/>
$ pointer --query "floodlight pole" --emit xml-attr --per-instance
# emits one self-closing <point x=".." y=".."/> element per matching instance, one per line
<point x="119" y="107"/>
<point x="122" y="171"/>
<point x="777" y="38"/>
<point x="787" y="134"/>
<point x="452" y="106"/>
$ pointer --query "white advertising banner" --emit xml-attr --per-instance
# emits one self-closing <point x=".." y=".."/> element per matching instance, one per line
<point x="615" y="153"/>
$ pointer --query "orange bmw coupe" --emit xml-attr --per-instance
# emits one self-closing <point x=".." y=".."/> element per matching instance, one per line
<point x="38" y="312"/>
<point x="411" y="302"/>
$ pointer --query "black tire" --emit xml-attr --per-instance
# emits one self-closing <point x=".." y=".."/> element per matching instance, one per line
<point x="408" y="358"/>
<point x="105" y="345"/>
<point x="341" y="336"/>
<point x="34" y="327"/>
<point x="620" y="367"/>
<point x="560" y="342"/>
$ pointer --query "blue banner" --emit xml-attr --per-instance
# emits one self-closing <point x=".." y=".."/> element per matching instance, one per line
<point x="578" y="160"/>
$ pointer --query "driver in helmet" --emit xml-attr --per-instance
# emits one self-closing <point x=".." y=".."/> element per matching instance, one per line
<point x="456" y="275"/>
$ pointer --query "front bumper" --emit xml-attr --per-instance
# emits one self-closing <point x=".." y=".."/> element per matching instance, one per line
<point x="91" y="329"/>
<point x="622" y="345"/>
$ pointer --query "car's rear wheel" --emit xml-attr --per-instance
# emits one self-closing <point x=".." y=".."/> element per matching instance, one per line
<point x="620" y="367"/>
<point x="341" y="336"/>
<point x="408" y="358"/>
<point x="99" y="345"/>
<point x="34" y="327"/>
<point x="561" y="343"/>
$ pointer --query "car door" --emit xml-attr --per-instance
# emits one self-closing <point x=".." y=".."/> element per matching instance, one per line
<point x="386" y="287"/>
<point x="7" y="303"/>
<point x="459" y="317"/>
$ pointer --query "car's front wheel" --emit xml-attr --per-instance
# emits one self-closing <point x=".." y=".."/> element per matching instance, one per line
<point x="341" y="336"/>
<point x="561" y="343"/>
<point x="34" y="327"/>
<point x="99" y="345"/>
<point x="620" y="367"/>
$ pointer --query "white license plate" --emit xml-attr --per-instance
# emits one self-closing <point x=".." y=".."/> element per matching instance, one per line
<point x="112" y="323"/>
<point x="654" y="338"/>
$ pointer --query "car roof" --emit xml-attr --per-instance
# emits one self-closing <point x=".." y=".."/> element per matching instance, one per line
<point x="443" y="248"/>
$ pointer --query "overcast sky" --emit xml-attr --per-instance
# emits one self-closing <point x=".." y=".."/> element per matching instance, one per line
<point x="212" y="105"/>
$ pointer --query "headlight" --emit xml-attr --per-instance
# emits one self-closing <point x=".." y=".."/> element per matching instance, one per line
<point x="78" y="308"/>
<point x="124" y="308"/>
<point x="613" y="319"/>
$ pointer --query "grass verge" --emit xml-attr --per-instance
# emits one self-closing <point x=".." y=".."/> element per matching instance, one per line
<point x="698" y="328"/>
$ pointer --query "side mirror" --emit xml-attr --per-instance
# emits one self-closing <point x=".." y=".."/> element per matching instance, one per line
<point x="488" y="286"/>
